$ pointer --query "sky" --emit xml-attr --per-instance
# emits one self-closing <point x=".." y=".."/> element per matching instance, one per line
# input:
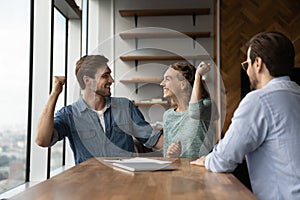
<point x="14" y="60"/>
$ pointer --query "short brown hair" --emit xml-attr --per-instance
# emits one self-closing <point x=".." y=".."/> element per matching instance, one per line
<point x="88" y="66"/>
<point x="275" y="50"/>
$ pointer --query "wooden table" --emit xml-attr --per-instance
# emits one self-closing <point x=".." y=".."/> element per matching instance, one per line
<point x="94" y="180"/>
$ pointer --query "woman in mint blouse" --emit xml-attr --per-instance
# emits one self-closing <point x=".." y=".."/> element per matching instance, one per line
<point x="188" y="128"/>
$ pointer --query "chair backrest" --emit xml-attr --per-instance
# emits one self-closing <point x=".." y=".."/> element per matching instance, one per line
<point x="295" y="75"/>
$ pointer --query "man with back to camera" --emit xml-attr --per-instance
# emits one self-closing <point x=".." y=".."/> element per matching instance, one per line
<point x="265" y="126"/>
<point x="96" y="125"/>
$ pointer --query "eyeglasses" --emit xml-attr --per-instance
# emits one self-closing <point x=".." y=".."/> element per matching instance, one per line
<point x="245" y="65"/>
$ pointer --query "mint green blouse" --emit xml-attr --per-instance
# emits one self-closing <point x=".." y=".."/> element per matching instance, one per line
<point x="193" y="127"/>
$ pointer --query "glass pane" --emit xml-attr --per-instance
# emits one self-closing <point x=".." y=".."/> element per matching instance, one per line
<point x="58" y="70"/>
<point x="84" y="26"/>
<point x="14" y="79"/>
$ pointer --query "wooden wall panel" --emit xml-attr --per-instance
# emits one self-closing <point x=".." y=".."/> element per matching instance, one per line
<point x="239" y="21"/>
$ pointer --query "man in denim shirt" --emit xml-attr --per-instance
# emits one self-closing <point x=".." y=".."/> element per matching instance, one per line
<point x="96" y="125"/>
<point x="265" y="127"/>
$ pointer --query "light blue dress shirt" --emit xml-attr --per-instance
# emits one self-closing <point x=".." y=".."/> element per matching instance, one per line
<point x="266" y="129"/>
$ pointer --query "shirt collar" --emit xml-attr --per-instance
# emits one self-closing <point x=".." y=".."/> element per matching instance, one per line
<point x="277" y="79"/>
<point x="108" y="101"/>
<point x="82" y="106"/>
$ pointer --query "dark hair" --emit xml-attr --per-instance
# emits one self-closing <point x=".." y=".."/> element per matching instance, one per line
<point x="88" y="66"/>
<point x="275" y="50"/>
<point x="188" y="71"/>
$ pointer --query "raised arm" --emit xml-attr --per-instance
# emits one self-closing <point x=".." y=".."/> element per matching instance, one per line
<point x="45" y="126"/>
<point x="198" y="88"/>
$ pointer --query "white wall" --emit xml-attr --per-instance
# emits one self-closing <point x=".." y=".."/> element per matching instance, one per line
<point x="106" y="24"/>
<point x="183" y="46"/>
<point x="41" y="73"/>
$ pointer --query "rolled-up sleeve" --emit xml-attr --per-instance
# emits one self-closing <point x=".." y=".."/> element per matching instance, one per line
<point x="55" y="138"/>
<point x="142" y="130"/>
<point x="60" y="126"/>
<point x="151" y="142"/>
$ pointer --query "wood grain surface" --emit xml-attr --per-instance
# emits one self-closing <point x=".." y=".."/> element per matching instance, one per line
<point x="94" y="180"/>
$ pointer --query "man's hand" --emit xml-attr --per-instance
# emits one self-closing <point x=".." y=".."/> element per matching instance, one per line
<point x="200" y="161"/>
<point x="174" y="150"/>
<point x="58" y="82"/>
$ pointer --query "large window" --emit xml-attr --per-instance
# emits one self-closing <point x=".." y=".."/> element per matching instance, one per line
<point x="14" y="82"/>
<point x="59" y="62"/>
<point x="84" y="26"/>
<point x="26" y="58"/>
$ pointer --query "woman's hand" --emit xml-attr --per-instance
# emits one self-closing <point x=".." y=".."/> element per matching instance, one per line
<point x="174" y="150"/>
<point x="203" y="68"/>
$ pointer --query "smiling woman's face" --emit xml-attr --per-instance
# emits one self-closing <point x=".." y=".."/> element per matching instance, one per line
<point x="171" y="83"/>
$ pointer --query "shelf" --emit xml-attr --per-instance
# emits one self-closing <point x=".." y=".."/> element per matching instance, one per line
<point x="164" y="35"/>
<point x="142" y="80"/>
<point x="134" y="58"/>
<point x="165" y="12"/>
<point x="164" y="55"/>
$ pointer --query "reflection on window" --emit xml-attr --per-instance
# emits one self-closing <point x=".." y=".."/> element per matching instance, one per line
<point x="58" y="70"/>
<point x="84" y="25"/>
<point x="14" y="82"/>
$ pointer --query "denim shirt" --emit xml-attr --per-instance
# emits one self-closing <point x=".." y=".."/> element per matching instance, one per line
<point x="123" y="121"/>
<point x="265" y="127"/>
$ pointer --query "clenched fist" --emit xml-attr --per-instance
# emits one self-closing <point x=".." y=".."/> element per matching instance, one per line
<point x="174" y="150"/>
<point x="203" y="68"/>
<point x="58" y="82"/>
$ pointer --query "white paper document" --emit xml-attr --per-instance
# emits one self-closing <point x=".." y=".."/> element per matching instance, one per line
<point x="139" y="160"/>
<point x="142" y="164"/>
